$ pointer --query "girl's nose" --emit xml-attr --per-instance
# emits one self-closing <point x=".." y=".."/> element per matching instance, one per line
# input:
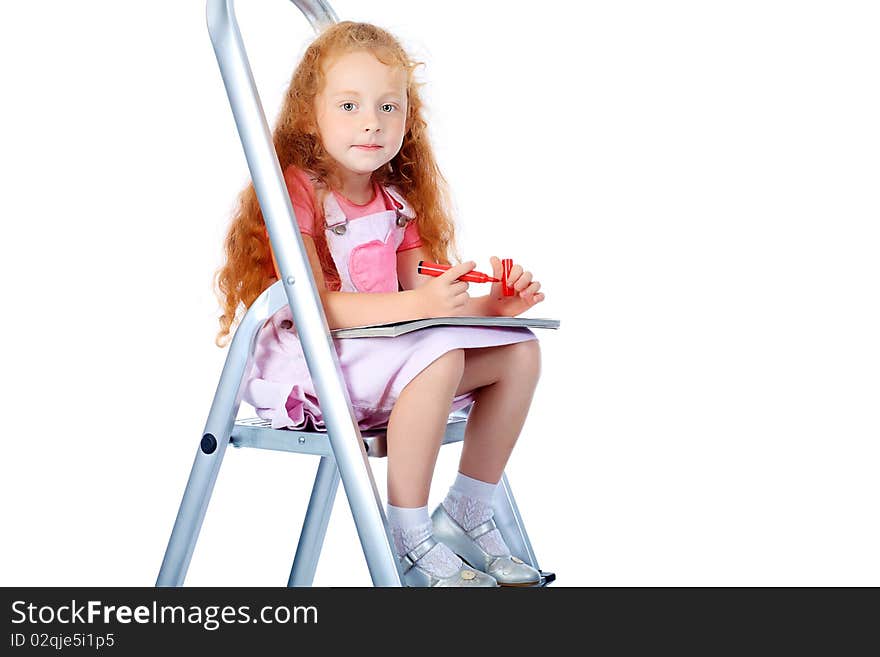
<point x="371" y="121"/>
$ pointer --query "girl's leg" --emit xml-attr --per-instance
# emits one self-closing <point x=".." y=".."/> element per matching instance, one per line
<point x="416" y="429"/>
<point x="503" y="380"/>
<point x="414" y="435"/>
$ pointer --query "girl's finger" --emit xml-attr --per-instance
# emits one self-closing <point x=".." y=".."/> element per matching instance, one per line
<point x="523" y="281"/>
<point x="495" y="288"/>
<point x="515" y="272"/>
<point x="530" y="290"/>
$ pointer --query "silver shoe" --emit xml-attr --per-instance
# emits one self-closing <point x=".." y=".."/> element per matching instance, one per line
<point x="508" y="570"/>
<point x="415" y="575"/>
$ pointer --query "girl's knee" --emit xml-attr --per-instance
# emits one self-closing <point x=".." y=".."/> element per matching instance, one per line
<point x="451" y="363"/>
<point x="525" y="358"/>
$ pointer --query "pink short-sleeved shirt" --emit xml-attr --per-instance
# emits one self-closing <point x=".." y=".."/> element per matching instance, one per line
<point x="302" y="196"/>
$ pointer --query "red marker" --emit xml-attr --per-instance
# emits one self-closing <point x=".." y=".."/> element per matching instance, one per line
<point x="433" y="269"/>
<point x="506" y="266"/>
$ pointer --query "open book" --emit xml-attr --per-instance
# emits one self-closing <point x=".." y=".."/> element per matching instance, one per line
<point x="394" y="329"/>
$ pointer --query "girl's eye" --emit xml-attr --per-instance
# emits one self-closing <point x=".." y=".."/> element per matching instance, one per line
<point x="349" y="106"/>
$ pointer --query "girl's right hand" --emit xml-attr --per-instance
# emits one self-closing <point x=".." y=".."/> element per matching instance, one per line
<point x="443" y="296"/>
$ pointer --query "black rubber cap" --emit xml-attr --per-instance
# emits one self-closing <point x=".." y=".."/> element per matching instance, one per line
<point x="209" y="443"/>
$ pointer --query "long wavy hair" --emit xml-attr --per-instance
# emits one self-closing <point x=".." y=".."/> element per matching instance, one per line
<point x="249" y="269"/>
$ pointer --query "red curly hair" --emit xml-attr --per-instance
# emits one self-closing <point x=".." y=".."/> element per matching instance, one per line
<point x="249" y="268"/>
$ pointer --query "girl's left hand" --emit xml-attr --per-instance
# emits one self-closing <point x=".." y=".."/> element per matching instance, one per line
<point x="526" y="296"/>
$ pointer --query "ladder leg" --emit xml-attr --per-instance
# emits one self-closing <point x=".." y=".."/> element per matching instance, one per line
<point x="510" y="524"/>
<point x="311" y="539"/>
<point x="192" y="510"/>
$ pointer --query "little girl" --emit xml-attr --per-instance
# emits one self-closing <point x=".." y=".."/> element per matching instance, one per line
<point x="371" y="202"/>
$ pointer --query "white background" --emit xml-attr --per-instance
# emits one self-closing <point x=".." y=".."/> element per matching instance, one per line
<point x="693" y="183"/>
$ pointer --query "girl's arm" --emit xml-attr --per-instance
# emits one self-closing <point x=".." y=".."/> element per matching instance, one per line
<point x="348" y="309"/>
<point x="410" y="279"/>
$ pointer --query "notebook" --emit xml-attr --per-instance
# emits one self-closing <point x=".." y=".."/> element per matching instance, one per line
<point x="393" y="329"/>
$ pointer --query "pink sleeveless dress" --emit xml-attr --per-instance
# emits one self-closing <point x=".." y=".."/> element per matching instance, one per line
<point x="375" y="370"/>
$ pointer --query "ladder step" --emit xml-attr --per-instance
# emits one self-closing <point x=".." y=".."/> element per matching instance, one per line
<point x="257" y="432"/>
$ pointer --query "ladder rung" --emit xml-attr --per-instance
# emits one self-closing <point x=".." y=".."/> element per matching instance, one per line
<point x="257" y="432"/>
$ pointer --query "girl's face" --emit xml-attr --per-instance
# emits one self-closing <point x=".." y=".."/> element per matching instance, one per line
<point x="363" y="103"/>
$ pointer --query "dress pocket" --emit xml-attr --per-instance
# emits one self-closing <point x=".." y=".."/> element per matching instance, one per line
<point x="373" y="266"/>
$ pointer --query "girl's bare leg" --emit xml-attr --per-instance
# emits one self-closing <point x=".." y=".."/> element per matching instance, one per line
<point x="503" y="380"/>
<point x="416" y="429"/>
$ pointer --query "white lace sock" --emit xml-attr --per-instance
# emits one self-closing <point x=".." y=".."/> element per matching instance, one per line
<point x="469" y="502"/>
<point x="411" y="526"/>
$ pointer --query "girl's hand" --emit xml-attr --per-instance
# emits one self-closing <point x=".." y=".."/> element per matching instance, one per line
<point x="526" y="296"/>
<point x="443" y="296"/>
